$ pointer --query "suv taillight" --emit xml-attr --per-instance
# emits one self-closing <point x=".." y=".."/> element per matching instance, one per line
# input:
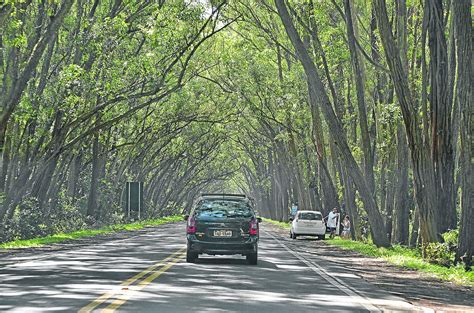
<point x="253" y="230"/>
<point x="191" y="226"/>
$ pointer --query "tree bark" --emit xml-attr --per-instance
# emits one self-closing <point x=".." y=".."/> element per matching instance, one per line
<point x="5" y="163"/>
<point x="357" y="67"/>
<point x="402" y="210"/>
<point x="415" y="233"/>
<point x="330" y="200"/>
<point x="464" y="95"/>
<point x="73" y="177"/>
<point x="442" y="150"/>
<point x="94" y="185"/>
<point x="420" y="153"/>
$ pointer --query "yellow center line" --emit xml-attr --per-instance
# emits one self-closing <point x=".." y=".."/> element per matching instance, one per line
<point x="91" y="306"/>
<point x="126" y="296"/>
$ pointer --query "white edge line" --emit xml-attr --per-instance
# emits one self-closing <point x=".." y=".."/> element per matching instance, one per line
<point x="332" y="280"/>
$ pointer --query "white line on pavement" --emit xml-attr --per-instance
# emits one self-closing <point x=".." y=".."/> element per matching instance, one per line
<point x="339" y="284"/>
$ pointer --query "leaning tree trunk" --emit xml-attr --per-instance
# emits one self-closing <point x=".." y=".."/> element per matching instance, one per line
<point x="357" y="67"/>
<point x="92" y="201"/>
<point x="423" y="173"/>
<point x="329" y="191"/>
<point x="351" y="207"/>
<point x="402" y="211"/>
<point x="464" y="95"/>
<point x="442" y="149"/>
<point x="337" y="132"/>
<point x="9" y="102"/>
<point x="5" y="158"/>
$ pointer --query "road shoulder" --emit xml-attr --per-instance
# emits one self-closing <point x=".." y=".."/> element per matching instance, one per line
<point x="417" y="288"/>
<point x="8" y="256"/>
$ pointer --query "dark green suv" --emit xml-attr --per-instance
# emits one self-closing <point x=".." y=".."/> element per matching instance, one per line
<point x="222" y="224"/>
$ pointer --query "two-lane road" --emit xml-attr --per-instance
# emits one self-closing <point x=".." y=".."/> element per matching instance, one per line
<point x="147" y="273"/>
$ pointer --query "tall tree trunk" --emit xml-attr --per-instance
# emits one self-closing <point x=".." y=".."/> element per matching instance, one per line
<point x="301" y="190"/>
<point x="94" y="185"/>
<point x="329" y="191"/>
<point x="4" y="164"/>
<point x="357" y="67"/>
<point x="420" y="153"/>
<point x="350" y="206"/>
<point x="464" y="95"/>
<point x="441" y="123"/>
<point x="415" y="232"/>
<point x="402" y="211"/>
<point x="390" y="196"/>
<point x="73" y="178"/>
<point x="315" y="199"/>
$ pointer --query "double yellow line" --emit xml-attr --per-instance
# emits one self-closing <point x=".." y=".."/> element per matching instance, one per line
<point x="121" y="296"/>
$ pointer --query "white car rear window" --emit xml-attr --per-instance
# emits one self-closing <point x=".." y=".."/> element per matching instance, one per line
<point x="310" y="216"/>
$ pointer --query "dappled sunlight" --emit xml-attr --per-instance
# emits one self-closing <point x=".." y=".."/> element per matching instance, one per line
<point x="72" y="279"/>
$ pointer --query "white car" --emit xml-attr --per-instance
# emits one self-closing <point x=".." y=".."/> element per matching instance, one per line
<point x="308" y="223"/>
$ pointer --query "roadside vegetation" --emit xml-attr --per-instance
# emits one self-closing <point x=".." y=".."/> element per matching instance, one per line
<point x="409" y="258"/>
<point x="285" y="225"/>
<point x="56" y="238"/>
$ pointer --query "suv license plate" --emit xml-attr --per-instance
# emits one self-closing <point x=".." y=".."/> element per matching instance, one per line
<point x="222" y="233"/>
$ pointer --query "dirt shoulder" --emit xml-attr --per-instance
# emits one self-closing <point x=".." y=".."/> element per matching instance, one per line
<point x="418" y="288"/>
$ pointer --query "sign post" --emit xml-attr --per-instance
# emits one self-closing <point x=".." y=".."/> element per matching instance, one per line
<point x="134" y="200"/>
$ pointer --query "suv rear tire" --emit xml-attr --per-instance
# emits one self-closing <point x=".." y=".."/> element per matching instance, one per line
<point x="252" y="258"/>
<point x="191" y="257"/>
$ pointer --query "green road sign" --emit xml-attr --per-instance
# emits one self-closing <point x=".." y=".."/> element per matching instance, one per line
<point x="134" y="199"/>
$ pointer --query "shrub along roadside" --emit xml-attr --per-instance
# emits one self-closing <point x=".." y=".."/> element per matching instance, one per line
<point x="402" y="257"/>
<point x="40" y="241"/>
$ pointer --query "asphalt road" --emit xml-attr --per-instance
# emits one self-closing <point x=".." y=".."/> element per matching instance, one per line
<point x="147" y="273"/>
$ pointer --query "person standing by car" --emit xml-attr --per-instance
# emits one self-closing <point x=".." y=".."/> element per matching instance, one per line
<point x="346" y="231"/>
<point x="332" y="220"/>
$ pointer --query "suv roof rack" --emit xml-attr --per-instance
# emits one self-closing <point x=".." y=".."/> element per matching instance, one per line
<point x="223" y="195"/>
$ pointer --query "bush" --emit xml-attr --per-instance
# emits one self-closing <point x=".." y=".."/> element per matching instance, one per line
<point x="439" y="253"/>
<point x="7" y="233"/>
<point x="451" y="238"/>
<point x="66" y="217"/>
<point x="29" y="220"/>
<point x="443" y="253"/>
<point x="111" y="215"/>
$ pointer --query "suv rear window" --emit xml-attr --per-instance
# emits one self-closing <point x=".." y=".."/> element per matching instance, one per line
<point x="310" y="216"/>
<point x="223" y="208"/>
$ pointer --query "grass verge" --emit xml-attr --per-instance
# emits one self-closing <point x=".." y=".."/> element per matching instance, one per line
<point x="408" y="258"/>
<point x="40" y="241"/>
<point x="281" y="224"/>
<point x="402" y="257"/>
